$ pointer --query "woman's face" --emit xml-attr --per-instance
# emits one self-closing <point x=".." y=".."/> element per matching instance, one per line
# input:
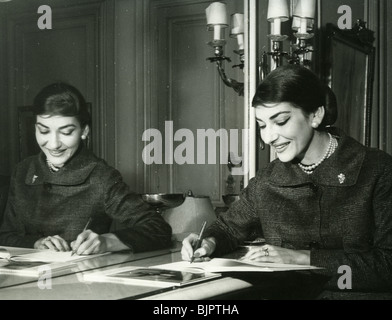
<point x="286" y="129"/>
<point x="58" y="137"/>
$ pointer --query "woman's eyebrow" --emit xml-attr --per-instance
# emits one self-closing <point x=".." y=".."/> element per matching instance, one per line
<point x="40" y="124"/>
<point x="278" y="114"/>
<point x="61" y="128"/>
<point x="67" y="126"/>
<point x="275" y="115"/>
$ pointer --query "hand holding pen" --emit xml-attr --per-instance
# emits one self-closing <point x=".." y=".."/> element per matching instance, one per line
<point x="198" y="241"/>
<point x="87" y="242"/>
<point x="196" y="248"/>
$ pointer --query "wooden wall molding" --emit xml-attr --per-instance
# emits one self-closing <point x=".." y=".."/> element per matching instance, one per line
<point x="132" y="91"/>
<point x="377" y="13"/>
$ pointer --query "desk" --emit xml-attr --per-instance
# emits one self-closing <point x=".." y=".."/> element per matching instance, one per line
<point x="71" y="285"/>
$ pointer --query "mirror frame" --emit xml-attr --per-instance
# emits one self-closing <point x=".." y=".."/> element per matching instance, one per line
<point x="350" y="67"/>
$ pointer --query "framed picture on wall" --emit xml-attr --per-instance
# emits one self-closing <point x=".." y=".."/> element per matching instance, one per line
<point x="350" y="66"/>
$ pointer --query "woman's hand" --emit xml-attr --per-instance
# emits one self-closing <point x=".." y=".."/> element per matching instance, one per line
<point x="206" y="249"/>
<point x="88" y="242"/>
<point x="55" y="243"/>
<point x="268" y="253"/>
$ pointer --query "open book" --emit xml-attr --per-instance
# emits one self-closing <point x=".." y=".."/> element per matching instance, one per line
<point x="150" y="276"/>
<point x="232" y="265"/>
<point x="31" y="264"/>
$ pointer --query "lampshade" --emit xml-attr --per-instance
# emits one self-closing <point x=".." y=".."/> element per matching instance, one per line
<point x="189" y="217"/>
<point x="278" y="9"/>
<point x="216" y="14"/>
<point x="305" y="9"/>
<point x="237" y="24"/>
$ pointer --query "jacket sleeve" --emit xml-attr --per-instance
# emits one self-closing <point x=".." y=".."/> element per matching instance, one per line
<point x="371" y="269"/>
<point x="143" y="228"/>
<point x="237" y="224"/>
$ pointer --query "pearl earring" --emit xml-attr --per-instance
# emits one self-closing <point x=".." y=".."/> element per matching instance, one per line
<point x="83" y="137"/>
<point x="315" y="125"/>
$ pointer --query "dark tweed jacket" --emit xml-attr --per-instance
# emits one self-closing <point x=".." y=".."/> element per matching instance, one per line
<point x="42" y="204"/>
<point x="4" y="185"/>
<point x="342" y="213"/>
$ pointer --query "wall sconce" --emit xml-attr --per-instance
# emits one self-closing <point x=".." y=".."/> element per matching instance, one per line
<point x="278" y="12"/>
<point x="217" y="22"/>
<point x="302" y="24"/>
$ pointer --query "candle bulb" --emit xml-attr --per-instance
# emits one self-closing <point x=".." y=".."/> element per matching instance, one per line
<point x="304" y="26"/>
<point x="276" y="27"/>
<point x="241" y="42"/>
<point x="218" y="32"/>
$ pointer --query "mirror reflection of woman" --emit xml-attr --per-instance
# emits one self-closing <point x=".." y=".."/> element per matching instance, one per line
<point x="55" y="194"/>
<point x="326" y="201"/>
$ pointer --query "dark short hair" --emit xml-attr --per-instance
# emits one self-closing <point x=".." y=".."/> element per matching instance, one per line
<point x="300" y="87"/>
<point x="64" y="100"/>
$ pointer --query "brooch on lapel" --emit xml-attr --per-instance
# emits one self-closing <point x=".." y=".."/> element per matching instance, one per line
<point x="34" y="178"/>
<point x="341" y="178"/>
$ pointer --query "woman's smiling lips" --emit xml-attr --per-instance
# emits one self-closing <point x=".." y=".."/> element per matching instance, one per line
<point x="281" y="147"/>
<point x="57" y="153"/>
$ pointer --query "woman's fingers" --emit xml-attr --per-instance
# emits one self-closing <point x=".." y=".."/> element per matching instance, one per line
<point x="83" y="241"/>
<point x="206" y="249"/>
<point x="47" y="243"/>
<point x="187" y="247"/>
<point x="202" y="259"/>
<point x="60" y="243"/>
<point x="87" y="243"/>
<point x="263" y="254"/>
<point x="92" y="247"/>
<point x="55" y="243"/>
<point x="201" y="252"/>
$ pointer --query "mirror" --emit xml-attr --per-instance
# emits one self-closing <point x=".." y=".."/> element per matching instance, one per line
<point x="350" y="64"/>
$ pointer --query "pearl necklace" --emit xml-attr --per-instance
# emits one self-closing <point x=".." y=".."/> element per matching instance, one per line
<point x="51" y="167"/>
<point x="333" y="144"/>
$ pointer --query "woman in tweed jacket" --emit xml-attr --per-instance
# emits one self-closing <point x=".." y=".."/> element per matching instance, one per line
<point x="327" y="199"/>
<point x="54" y="194"/>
